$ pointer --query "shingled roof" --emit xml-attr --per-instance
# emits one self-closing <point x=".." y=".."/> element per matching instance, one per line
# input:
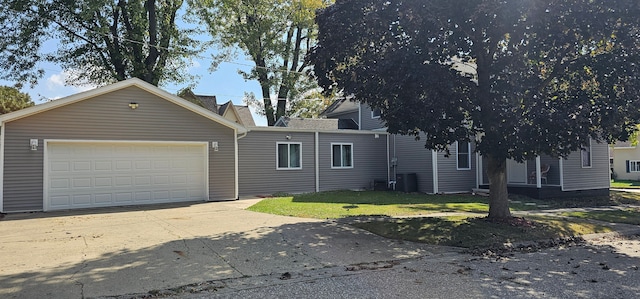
<point x="316" y="123"/>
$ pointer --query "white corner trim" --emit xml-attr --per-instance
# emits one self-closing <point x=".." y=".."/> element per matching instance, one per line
<point x="317" y="161"/>
<point x="538" y="173"/>
<point x="45" y="175"/>
<point x="388" y="163"/>
<point x="2" y="125"/>
<point x="478" y="170"/>
<point x="359" y="116"/>
<point x="561" y="166"/>
<point x="207" y="161"/>
<point x="434" y="163"/>
<point x="235" y="154"/>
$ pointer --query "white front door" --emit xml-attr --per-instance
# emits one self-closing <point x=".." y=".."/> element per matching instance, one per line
<point x="516" y="172"/>
<point x="99" y="174"/>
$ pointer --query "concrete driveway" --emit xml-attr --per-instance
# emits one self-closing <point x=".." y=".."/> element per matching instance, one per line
<point x="112" y="251"/>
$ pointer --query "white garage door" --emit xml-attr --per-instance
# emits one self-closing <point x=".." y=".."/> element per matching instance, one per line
<point x="99" y="174"/>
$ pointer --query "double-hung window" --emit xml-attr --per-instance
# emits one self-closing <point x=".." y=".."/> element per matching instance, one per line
<point x="463" y="154"/>
<point x="585" y="155"/>
<point x="633" y="166"/>
<point x="289" y="155"/>
<point x="341" y="155"/>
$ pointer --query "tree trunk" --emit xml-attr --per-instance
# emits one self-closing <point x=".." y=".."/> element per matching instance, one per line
<point x="498" y="195"/>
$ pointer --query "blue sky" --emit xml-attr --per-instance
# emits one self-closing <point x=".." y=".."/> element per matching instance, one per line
<point x="225" y="82"/>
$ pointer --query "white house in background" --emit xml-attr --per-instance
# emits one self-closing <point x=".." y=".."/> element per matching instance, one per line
<point x="625" y="161"/>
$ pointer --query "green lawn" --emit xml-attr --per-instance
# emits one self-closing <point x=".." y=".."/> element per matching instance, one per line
<point x="629" y="216"/>
<point x="339" y="204"/>
<point x="463" y="231"/>
<point x="625" y="184"/>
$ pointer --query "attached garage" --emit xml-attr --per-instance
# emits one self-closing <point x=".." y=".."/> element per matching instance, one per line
<point x="129" y="143"/>
<point x="98" y="174"/>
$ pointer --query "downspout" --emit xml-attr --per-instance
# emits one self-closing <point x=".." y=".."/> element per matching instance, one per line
<point x="317" y="161"/>
<point x="2" y="125"/>
<point x="434" y="166"/>
<point x="538" y="178"/>
<point x="235" y="143"/>
<point x="561" y="164"/>
<point x="478" y="171"/>
<point x="388" y="163"/>
<point x="359" y="116"/>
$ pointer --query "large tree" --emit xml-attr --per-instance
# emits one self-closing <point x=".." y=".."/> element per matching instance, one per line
<point x="275" y="35"/>
<point x="11" y="99"/>
<point x="519" y="78"/>
<point x="98" y="41"/>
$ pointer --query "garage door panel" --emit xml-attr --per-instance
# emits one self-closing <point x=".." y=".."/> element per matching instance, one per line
<point x="99" y="174"/>
<point x="61" y="200"/>
<point x="103" y="182"/>
<point x="81" y="183"/>
<point x="122" y="181"/>
<point x="60" y="166"/>
<point x="82" y="199"/>
<point x="103" y="198"/>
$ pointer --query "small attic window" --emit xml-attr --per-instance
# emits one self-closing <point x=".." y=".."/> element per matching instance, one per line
<point x="375" y="113"/>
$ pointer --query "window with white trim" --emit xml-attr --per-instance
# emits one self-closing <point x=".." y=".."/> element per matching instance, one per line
<point x="342" y="155"/>
<point x="585" y="155"/>
<point x="375" y="113"/>
<point x="289" y="155"/>
<point x="463" y="154"/>
<point x="634" y="166"/>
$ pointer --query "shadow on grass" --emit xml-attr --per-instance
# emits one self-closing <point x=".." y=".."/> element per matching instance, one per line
<point x="477" y="232"/>
<point x="384" y="198"/>
<point x="629" y="216"/>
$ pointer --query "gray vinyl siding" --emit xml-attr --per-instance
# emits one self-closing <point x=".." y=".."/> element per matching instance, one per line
<point x="108" y="117"/>
<point x="596" y="177"/>
<point x="369" y="161"/>
<point x="257" y="164"/>
<point x="413" y="157"/>
<point x="450" y="179"/>
<point x="369" y="123"/>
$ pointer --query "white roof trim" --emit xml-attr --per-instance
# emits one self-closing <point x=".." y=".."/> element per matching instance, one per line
<point x="338" y="131"/>
<point x="114" y="87"/>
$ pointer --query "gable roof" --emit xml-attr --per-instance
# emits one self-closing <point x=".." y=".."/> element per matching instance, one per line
<point x="341" y="106"/>
<point x="209" y="102"/>
<point x="242" y="113"/>
<point x="117" y="86"/>
<point x="316" y="123"/>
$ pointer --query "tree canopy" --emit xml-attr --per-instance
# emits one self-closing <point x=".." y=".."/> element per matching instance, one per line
<point x="99" y="41"/>
<point x="275" y="35"/>
<point x="519" y="78"/>
<point x="12" y="99"/>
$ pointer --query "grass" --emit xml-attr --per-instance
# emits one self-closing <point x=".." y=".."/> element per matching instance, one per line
<point x="477" y="232"/>
<point x="340" y="204"/>
<point x="462" y="231"/>
<point x="625" y="184"/>
<point x="629" y="216"/>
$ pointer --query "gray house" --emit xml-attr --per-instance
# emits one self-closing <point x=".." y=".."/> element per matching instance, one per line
<point x="585" y="172"/>
<point x="131" y="143"/>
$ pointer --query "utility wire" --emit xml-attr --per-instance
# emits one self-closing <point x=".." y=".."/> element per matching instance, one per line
<point x="147" y="44"/>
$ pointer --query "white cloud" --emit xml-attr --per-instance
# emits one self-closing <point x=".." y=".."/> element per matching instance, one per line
<point x="57" y="80"/>
<point x="62" y="79"/>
